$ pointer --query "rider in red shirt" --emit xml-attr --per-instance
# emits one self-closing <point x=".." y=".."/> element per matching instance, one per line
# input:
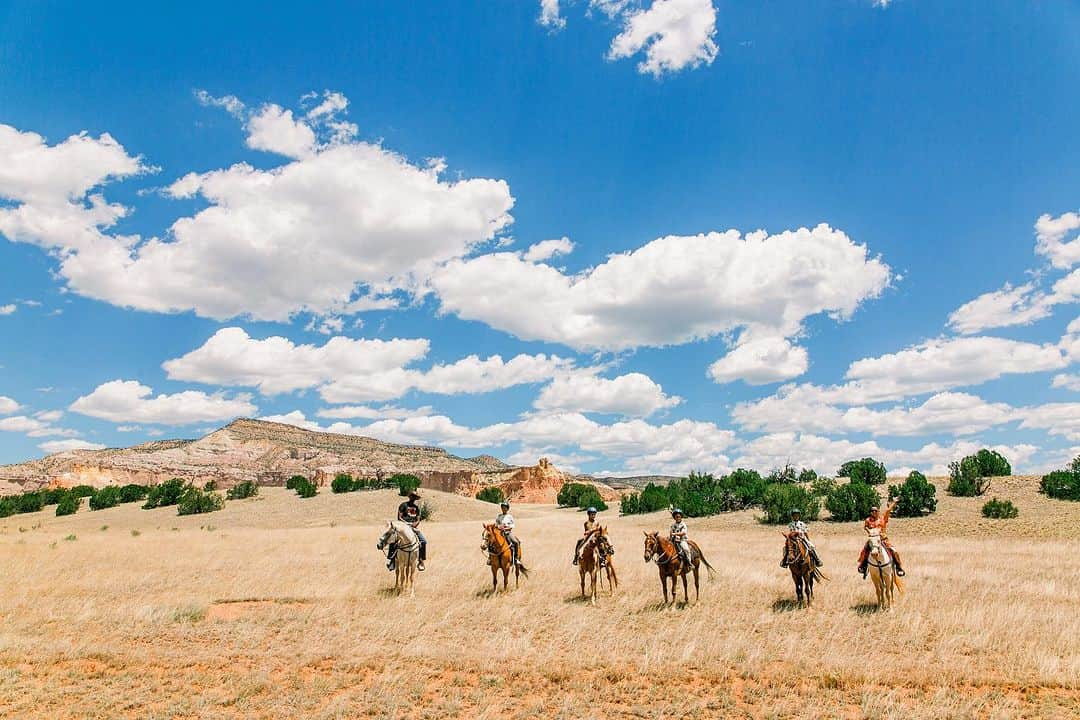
<point x="881" y="522"/>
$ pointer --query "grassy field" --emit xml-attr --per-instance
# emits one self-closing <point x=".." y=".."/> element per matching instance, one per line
<point x="279" y="607"/>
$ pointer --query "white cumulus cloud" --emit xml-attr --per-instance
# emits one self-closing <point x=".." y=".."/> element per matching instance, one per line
<point x="674" y="34"/>
<point x="761" y="360"/>
<point x="8" y="406"/>
<point x="128" y="401"/>
<point x="57" y="446"/>
<point x="672" y="290"/>
<point x="633" y="394"/>
<point x="1050" y="239"/>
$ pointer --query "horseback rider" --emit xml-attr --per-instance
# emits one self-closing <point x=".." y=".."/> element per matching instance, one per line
<point x="679" y="533"/>
<point x="798" y="530"/>
<point x="590" y="526"/>
<point x="505" y="522"/>
<point x="879" y="521"/>
<point x="409" y="512"/>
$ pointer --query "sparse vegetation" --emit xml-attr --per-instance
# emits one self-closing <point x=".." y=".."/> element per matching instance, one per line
<point x="133" y="493"/>
<point x="807" y="475"/>
<point x="570" y="492"/>
<point x="166" y="493"/>
<point x="852" y="501"/>
<point x="867" y="470"/>
<point x="242" y="490"/>
<point x="83" y="490"/>
<point x="491" y="494"/>
<point x="293" y="482"/>
<point x="405" y="484"/>
<point x="700" y="494"/>
<point x="992" y="463"/>
<point x="106" y="497"/>
<point x="427" y="510"/>
<point x="68" y="504"/>
<point x="999" y="509"/>
<point x="780" y="498"/>
<point x="822" y="486"/>
<point x="1063" y="484"/>
<point x="915" y="496"/>
<point x="304" y="487"/>
<point x="966" y="478"/>
<point x="343" y="483"/>
<point x="195" y="501"/>
<point x="210" y="485"/>
<point x="24" y="503"/>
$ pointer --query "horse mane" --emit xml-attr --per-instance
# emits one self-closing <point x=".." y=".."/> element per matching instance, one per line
<point x="403" y="528"/>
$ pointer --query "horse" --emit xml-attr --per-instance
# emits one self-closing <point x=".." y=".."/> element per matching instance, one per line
<point x="408" y="549"/>
<point x="882" y="570"/>
<point x="500" y="555"/>
<point x="803" y="569"/>
<point x="603" y="544"/>
<point x="589" y="563"/>
<point x="672" y="566"/>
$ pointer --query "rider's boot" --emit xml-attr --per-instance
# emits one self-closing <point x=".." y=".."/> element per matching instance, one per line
<point x="896" y="562"/>
<point x="863" y="568"/>
<point x="391" y="557"/>
<point x="817" y="560"/>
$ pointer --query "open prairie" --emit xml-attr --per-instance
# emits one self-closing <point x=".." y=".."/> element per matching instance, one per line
<point x="279" y="607"/>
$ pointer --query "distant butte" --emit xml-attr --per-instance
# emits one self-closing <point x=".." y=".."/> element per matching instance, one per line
<point x="270" y="453"/>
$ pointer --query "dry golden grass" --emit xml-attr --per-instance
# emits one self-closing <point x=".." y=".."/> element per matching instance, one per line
<point x="278" y="608"/>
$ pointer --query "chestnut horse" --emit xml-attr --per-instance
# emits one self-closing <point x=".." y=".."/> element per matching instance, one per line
<point x="499" y="557"/>
<point x="803" y="570"/>
<point x="589" y="564"/>
<point x="604" y="546"/>
<point x="672" y="566"/>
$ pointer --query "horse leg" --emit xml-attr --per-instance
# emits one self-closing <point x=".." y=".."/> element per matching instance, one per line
<point x="663" y="585"/>
<point x="797" y="579"/>
<point x="809" y="582"/>
<point x="494" y="576"/>
<point x="581" y="575"/>
<point x="697" y="583"/>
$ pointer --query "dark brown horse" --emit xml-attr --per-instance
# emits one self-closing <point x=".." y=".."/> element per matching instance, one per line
<point x="500" y="557"/>
<point x="672" y="566"/>
<point x="803" y="569"/>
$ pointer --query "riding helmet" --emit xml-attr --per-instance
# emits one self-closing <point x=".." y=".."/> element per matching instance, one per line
<point x="504" y="504"/>
<point x="794" y="511"/>
<point x="591" y="511"/>
<point x="676" y="511"/>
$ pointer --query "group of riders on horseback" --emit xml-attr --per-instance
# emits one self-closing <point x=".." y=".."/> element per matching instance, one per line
<point x="879" y="521"/>
<point x="409" y="512"/>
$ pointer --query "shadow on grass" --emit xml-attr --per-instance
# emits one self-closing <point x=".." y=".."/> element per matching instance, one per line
<point x="867" y="608"/>
<point x="785" y="604"/>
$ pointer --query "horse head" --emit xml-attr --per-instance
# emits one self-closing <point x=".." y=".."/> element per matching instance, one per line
<point x="652" y="545"/>
<point x="877" y="551"/>
<point x="385" y="536"/>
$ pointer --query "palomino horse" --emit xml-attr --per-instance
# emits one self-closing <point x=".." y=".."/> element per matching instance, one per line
<point x="408" y="548"/>
<point x="803" y="569"/>
<point x="882" y="571"/>
<point x="672" y="566"/>
<point x="499" y="557"/>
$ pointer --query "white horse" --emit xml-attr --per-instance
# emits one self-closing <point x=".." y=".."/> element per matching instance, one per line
<point x="408" y="550"/>
<point x="882" y="570"/>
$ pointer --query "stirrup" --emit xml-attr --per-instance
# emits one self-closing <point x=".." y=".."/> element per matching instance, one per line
<point x="900" y="572"/>
<point x="420" y="565"/>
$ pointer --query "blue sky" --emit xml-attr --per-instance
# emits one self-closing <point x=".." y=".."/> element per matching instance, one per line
<point x="632" y="236"/>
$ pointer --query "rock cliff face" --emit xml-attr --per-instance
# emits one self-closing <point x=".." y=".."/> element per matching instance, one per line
<point x="270" y="453"/>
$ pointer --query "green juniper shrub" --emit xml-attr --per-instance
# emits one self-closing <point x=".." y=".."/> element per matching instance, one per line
<point x="654" y="497"/>
<point x="629" y="504"/>
<point x="807" y="476"/>
<point x="867" y="470"/>
<point x="195" y="501"/>
<point x="405" y="484"/>
<point x="992" y="463"/>
<point x="491" y="494"/>
<point x="106" y="497"/>
<point x="306" y="488"/>
<point x="1063" y="484"/>
<point x="83" y="490"/>
<point x="744" y="487"/>
<point x="361" y="484"/>
<point x="242" y="490"/>
<point x="591" y="498"/>
<point x="966" y="478"/>
<point x="427" y="510"/>
<point x="133" y="493"/>
<point x="786" y="474"/>
<point x="999" y="509"/>
<point x="294" y="481"/>
<point x="7" y="507"/>
<point x="780" y="498"/>
<point x="166" y="493"/>
<point x="852" y="501"/>
<point x="68" y="505"/>
<point x="915" y="496"/>
<point x="29" y="502"/>
<point x="210" y="485"/>
<point x="53" y="496"/>
<point x="569" y="493"/>
<point x="822" y="486"/>
<point x="342" y="483"/>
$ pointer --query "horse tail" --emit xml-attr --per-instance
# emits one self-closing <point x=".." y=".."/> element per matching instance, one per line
<point x="523" y="570"/>
<point x="898" y="582"/>
<point x="710" y="568"/>
<point x="818" y="575"/>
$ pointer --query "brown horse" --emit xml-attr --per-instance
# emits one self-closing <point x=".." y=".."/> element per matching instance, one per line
<point x="604" y="546"/>
<point x="672" y="566"/>
<point x="589" y="563"/>
<point x="499" y="557"/>
<point x="803" y="569"/>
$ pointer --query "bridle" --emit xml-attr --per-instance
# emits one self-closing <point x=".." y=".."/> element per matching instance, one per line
<point x="659" y="554"/>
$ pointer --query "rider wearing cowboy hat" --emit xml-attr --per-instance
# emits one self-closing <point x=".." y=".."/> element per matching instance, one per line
<point x="505" y="522"/>
<point x="679" y="533"/>
<point x="409" y="512"/>
<point x="590" y="525"/>
<point x="798" y="529"/>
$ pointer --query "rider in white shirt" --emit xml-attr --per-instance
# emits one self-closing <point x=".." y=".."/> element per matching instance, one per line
<point x="679" y="533"/>
<point x="505" y="522"/>
<point x="801" y="532"/>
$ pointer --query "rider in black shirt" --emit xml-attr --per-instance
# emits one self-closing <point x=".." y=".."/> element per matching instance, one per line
<point x="409" y="512"/>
